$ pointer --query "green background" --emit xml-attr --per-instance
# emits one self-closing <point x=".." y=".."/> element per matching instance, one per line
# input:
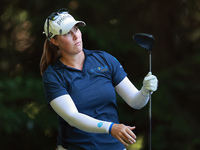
<point x="28" y="123"/>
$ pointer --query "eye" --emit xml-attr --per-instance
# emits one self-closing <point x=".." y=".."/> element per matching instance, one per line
<point x="76" y="28"/>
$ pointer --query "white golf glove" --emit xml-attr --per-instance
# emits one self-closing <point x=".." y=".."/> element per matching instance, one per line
<point x="150" y="83"/>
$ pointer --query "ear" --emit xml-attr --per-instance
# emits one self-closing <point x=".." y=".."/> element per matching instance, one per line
<point x="53" y="40"/>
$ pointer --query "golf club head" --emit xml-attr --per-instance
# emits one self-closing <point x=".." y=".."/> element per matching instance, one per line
<point x="144" y="40"/>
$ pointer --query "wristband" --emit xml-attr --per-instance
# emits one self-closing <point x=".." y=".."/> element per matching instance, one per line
<point x="110" y="127"/>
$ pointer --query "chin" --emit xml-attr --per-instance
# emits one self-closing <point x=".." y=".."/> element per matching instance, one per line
<point x="80" y="49"/>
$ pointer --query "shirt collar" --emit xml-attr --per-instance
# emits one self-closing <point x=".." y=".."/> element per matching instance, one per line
<point x="58" y="64"/>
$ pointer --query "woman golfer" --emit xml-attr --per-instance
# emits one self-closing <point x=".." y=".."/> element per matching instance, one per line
<point x="80" y="86"/>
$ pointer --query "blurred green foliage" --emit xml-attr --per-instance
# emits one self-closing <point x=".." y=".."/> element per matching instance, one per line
<point x="27" y="122"/>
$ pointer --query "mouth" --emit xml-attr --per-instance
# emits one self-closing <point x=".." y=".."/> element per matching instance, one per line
<point x="78" y="43"/>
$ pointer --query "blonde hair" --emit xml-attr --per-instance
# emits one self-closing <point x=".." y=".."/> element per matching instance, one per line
<point x="49" y="55"/>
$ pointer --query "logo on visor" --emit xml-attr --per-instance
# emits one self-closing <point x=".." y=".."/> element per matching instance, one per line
<point x="62" y="19"/>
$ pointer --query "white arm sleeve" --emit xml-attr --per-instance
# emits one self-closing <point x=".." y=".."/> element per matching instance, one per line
<point x="65" y="108"/>
<point x="134" y="98"/>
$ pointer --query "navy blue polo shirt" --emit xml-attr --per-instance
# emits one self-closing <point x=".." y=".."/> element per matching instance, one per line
<point x="92" y="90"/>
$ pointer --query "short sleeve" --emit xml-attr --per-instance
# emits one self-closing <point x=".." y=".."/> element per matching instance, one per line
<point x="118" y="73"/>
<point x="53" y="85"/>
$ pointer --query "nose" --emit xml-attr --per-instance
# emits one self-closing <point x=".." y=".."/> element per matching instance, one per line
<point x="75" y="35"/>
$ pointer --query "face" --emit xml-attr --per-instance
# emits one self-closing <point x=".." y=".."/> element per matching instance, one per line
<point x="70" y="43"/>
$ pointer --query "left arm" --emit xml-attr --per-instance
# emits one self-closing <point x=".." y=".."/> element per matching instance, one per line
<point x="133" y="97"/>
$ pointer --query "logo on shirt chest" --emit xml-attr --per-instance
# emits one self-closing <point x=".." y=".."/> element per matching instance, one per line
<point x="100" y="69"/>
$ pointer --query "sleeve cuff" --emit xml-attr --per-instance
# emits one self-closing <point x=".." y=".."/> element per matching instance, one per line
<point x="110" y="128"/>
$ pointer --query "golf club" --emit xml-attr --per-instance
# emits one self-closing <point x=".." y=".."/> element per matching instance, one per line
<point x="146" y="41"/>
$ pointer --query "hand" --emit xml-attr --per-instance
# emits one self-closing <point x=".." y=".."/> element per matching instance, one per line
<point x="150" y="83"/>
<point x="123" y="134"/>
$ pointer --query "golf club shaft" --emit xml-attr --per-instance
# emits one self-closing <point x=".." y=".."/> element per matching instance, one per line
<point x="146" y="41"/>
<point x="150" y="120"/>
<point x="150" y="105"/>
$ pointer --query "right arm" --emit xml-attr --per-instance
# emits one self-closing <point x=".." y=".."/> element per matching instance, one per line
<point x="65" y="108"/>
